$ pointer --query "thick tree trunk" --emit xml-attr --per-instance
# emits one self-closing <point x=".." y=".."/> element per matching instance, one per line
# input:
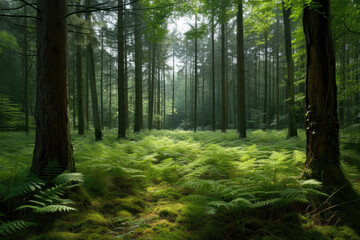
<point x="52" y="141"/>
<point x="121" y="73"/>
<point x="138" y="68"/>
<point x="292" y="131"/>
<point x="241" y="73"/>
<point x="322" y="134"/>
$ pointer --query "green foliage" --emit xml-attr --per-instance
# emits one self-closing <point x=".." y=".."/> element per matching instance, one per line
<point x="14" y="226"/>
<point x="10" y="114"/>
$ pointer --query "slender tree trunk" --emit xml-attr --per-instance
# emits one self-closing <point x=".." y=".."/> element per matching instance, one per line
<point x="138" y="68"/>
<point x="292" y="131"/>
<point x="164" y="93"/>
<point x="151" y="88"/>
<point x="73" y="92"/>
<point x="186" y="98"/>
<point x="158" y="122"/>
<point x="102" y="79"/>
<point x="322" y="133"/>
<point x="87" y="96"/>
<point x="213" y="71"/>
<point x="196" y="78"/>
<point x="110" y="91"/>
<point x="342" y="82"/>
<point x="265" y="81"/>
<point x="92" y="76"/>
<point x="277" y="75"/>
<point x="223" y="79"/>
<point x="241" y="73"/>
<point x="121" y="73"/>
<point x="81" y="127"/>
<point x="52" y="141"/>
<point x="26" y="75"/>
<point x="173" y="92"/>
<point x="126" y="93"/>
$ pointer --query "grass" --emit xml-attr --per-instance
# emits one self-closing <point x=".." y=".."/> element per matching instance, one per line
<point x="181" y="185"/>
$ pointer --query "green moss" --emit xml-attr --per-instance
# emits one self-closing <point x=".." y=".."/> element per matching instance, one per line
<point x="169" y="194"/>
<point x="123" y="214"/>
<point x="58" y="236"/>
<point x="169" y="211"/>
<point x="91" y="220"/>
<point x="131" y="204"/>
<point x="96" y="183"/>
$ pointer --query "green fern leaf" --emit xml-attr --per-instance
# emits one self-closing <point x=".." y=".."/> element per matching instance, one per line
<point x="14" y="226"/>
<point x="54" y="209"/>
<point x="69" y="177"/>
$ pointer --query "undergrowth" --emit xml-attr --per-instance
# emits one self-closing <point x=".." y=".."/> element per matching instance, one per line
<point x="183" y="185"/>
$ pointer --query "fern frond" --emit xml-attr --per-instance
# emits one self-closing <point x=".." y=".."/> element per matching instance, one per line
<point x="54" y="209"/>
<point x="14" y="226"/>
<point x="242" y="203"/>
<point x="24" y="188"/>
<point x="69" y="177"/>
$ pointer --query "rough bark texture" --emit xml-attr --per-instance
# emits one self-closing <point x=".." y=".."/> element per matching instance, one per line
<point x="322" y="151"/>
<point x="292" y="131"/>
<point x="241" y="73"/>
<point x="26" y="76"/>
<point x="52" y="142"/>
<point x="265" y="80"/>
<point x="121" y="74"/>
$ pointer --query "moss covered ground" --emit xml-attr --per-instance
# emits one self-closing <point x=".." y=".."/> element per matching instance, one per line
<point x="164" y="185"/>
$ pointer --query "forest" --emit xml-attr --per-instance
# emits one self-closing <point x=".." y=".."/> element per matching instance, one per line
<point x="180" y="119"/>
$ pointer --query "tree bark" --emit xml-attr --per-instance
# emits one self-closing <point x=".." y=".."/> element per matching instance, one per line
<point x="213" y="72"/>
<point x="196" y="78"/>
<point x="138" y="67"/>
<point x="223" y="80"/>
<point x="52" y="141"/>
<point x="26" y="75"/>
<point x="241" y="73"/>
<point x="322" y="133"/>
<point x="121" y="73"/>
<point x="292" y="131"/>
<point x="265" y="81"/>
<point x="81" y="127"/>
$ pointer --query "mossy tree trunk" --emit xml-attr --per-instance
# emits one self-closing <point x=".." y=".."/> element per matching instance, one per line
<point x="322" y="134"/>
<point x="52" y="141"/>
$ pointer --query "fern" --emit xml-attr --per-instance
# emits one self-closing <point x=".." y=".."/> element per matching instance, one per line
<point x="24" y="188"/>
<point x="14" y="226"/>
<point x="69" y="177"/>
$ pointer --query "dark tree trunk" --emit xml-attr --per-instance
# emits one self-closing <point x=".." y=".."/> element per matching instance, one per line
<point x="52" y="142"/>
<point x="265" y="81"/>
<point x="138" y="68"/>
<point x="186" y="97"/>
<point x="26" y="75"/>
<point x="223" y="79"/>
<point x="110" y="91"/>
<point x="81" y="127"/>
<point x="87" y="96"/>
<point x="102" y="79"/>
<point x="121" y="74"/>
<point x="73" y="92"/>
<point x="213" y="72"/>
<point x="241" y="73"/>
<point x="292" y="131"/>
<point x="322" y="134"/>
<point x="277" y="75"/>
<point x="151" y="68"/>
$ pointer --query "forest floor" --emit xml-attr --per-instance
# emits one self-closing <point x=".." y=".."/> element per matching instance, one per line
<point x="164" y="185"/>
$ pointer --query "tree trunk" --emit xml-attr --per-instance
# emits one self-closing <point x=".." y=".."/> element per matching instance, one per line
<point x="81" y="127"/>
<point x="173" y="92"/>
<point x="121" y="74"/>
<point x="196" y="78"/>
<point x="73" y="92"/>
<point x="186" y="97"/>
<point x="26" y="75"/>
<point x="213" y="72"/>
<point x="241" y="73"/>
<point x="138" y="68"/>
<point x="52" y="141"/>
<point x="102" y="79"/>
<point x="223" y="79"/>
<point x="87" y="96"/>
<point x="277" y="75"/>
<point x="265" y="80"/>
<point x="110" y="91"/>
<point x="292" y="131"/>
<point x="322" y="133"/>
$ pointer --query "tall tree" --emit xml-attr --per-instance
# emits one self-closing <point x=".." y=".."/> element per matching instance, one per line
<point x="92" y="78"/>
<point x="52" y="141"/>
<point x="138" y="66"/>
<point x="292" y="131"/>
<point x="121" y="73"/>
<point x="26" y="74"/>
<point x="322" y="133"/>
<point x="196" y="74"/>
<point x="241" y="73"/>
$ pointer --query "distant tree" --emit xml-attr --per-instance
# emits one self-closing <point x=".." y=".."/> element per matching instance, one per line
<point x="52" y="141"/>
